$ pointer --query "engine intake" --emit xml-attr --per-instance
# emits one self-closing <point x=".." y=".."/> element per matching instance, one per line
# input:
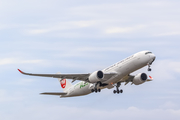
<point x="100" y="74"/>
<point x="96" y="76"/>
<point x="140" y="78"/>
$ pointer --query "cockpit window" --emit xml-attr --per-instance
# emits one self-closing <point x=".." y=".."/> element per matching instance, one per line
<point x="148" y="53"/>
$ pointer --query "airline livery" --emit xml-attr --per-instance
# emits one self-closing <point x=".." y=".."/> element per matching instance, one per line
<point x="109" y="77"/>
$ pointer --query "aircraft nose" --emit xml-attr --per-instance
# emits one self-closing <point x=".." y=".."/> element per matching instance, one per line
<point x="153" y="58"/>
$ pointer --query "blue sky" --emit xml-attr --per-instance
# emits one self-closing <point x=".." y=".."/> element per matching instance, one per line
<point x="50" y="36"/>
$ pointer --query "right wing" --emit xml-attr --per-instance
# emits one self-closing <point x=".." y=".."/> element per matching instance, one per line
<point x="53" y="93"/>
<point x="129" y="78"/>
<point x="82" y="77"/>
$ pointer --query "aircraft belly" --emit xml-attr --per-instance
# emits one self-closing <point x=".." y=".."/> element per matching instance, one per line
<point x="79" y="91"/>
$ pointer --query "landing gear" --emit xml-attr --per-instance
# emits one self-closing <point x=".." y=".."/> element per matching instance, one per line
<point x="95" y="88"/>
<point x="92" y="90"/>
<point x="99" y="90"/>
<point x="121" y="91"/>
<point x="117" y="89"/>
<point x="149" y="67"/>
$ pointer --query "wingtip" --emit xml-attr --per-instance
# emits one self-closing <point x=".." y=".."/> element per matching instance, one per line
<point x="150" y="77"/>
<point x="20" y="71"/>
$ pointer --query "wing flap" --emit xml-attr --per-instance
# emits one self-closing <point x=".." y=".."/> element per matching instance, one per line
<point x="53" y="93"/>
<point x="108" y="75"/>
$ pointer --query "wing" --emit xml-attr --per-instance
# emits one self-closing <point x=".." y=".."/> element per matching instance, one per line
<point x="82" y="77"/>
<point x="129" y="78"/>
<point x="53" y="93"/>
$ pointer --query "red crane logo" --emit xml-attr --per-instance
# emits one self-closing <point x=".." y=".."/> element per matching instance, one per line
<point x="63" y="83"/>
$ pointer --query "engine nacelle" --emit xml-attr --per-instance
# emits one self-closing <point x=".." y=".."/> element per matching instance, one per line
<point x="96" y="76"/>
<point x="140" y="78"/>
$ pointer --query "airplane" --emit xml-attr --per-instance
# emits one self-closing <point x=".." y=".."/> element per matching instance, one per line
<point x="109" y="77"/>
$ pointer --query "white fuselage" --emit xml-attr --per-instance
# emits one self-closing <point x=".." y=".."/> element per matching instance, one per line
<point x="122" y="68"/>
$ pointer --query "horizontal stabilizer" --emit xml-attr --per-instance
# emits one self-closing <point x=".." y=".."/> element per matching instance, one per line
<point x="53" y="93"/>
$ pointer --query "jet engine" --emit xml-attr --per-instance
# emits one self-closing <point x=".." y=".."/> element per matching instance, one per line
<point x="96" y="76"/>
<point x="140" y="78"/>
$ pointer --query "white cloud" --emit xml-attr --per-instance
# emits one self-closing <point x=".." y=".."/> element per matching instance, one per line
<point x="47" y="112"/>
<point x="169" y="34"/>
<point x="6" y="96"/>
<point x="169" y="105"/>
<point x="130" y="19"/>
<point x="7" y="61"/>
<point x="23" y="82"/>
<point x="119" y="30"/>
<point x="175" y="66"/>
<point x="165" y="69"/>
<point x="60" y="26"/>
<point x="125" y="29"/>
<point x="38" y="31"/>
<point x="166" y="28"/>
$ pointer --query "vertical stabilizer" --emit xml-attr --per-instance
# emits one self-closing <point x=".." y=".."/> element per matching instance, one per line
<point x="65" y="84"/>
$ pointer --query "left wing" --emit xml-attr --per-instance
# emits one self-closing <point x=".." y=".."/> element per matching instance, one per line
<point x="129" y="78"/>
<point x="82" y="77"/>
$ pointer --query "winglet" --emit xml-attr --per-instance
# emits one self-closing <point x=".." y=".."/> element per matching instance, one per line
<point x="20" y="71"/>
<point x="150" y="77"/>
